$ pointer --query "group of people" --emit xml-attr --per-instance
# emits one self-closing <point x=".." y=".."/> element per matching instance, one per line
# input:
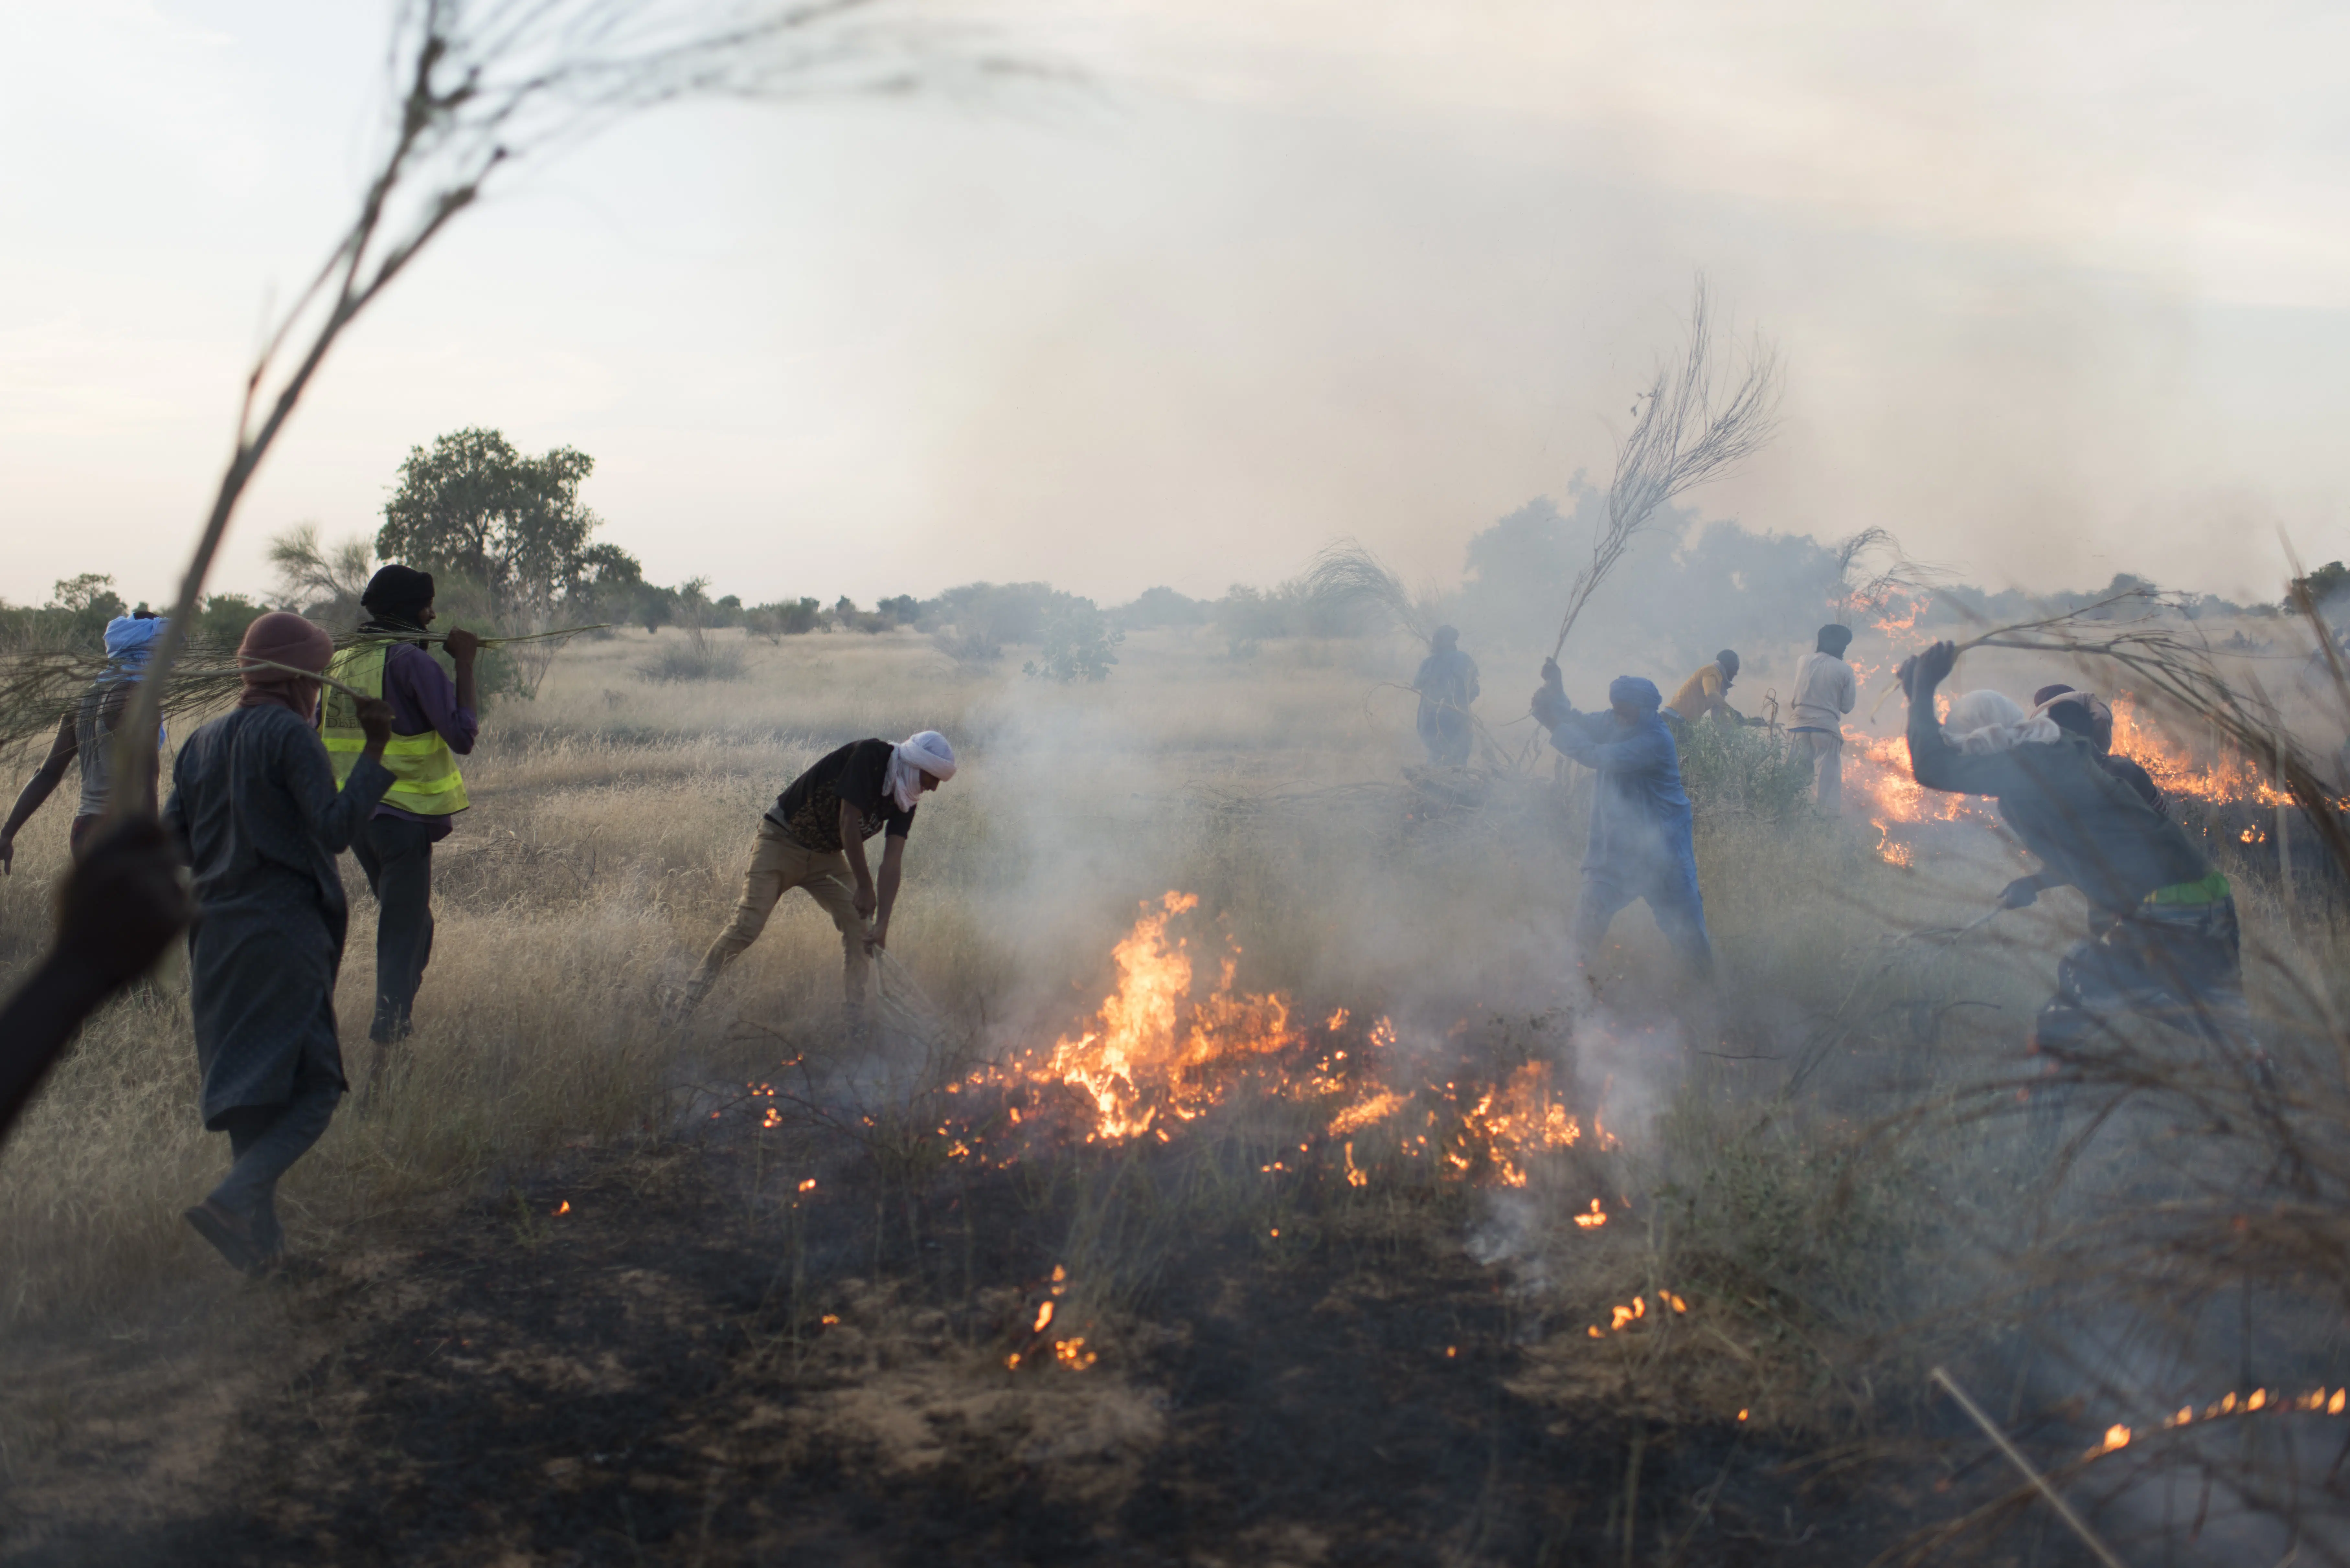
<point x="264" y="800"/>
<point x="2162" y="941"/>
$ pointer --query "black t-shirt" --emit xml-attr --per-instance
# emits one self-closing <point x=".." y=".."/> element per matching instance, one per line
<point x="858" y="772"/>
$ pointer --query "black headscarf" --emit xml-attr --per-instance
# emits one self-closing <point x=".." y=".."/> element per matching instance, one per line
<point x="1835" y="639"/>
<point x="397" y="597"/>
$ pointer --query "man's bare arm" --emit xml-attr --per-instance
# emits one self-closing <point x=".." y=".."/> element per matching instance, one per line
<point x="852" y="844"/>
<point x="893" y="865"/>
<point x="37" y="789"/>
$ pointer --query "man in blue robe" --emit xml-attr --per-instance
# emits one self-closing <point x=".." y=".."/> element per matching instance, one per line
<point x="1640" y="846"/>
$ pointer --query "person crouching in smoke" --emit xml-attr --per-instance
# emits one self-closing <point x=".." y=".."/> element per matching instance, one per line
<point x="813" y="837"/>
<point x="256" y="810"/>
<point x="2162" y="941"/>
<point x="1640" y="844"/>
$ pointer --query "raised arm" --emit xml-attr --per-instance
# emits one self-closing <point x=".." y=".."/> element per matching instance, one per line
<point x="1933" y="760"/>
<point x="62" y="751"/>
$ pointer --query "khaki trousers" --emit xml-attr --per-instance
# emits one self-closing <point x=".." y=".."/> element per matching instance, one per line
<point x="777" y="865"/>
<point x="1827" y="754"/>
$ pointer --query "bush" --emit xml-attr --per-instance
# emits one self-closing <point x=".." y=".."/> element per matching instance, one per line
<point x="1747" y="770"/>
<point x="1078" y="643"/>
<point x="695" y="658"/>
<point x="784" y="617"/>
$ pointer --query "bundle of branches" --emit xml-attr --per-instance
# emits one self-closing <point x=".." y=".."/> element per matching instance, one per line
<point x="1346" y="581"/>
<point x="37" y="690"/>
<point x="2174" y="672"/>
<point x="1688" y="430"/>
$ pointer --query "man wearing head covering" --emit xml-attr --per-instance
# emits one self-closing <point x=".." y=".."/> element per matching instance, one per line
<point x="433" y="723"/>
<point x="2162" y="940"/>
<point x="1984" y="720"/>
<point x="1707" y="691"/>
<point x="813" y="837"/>
<point x="256" y="812"/>
<point x="1824" y="692"/>
<point x="2085" y="715"/>
<point x="86" y="734"/>
<point x="1640" y="844"/>
<point x="1447" y="684"/>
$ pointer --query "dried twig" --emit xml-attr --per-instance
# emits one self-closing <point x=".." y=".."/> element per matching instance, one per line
<point x="2072" y="1521"/>
<point x="1688" y="431"/>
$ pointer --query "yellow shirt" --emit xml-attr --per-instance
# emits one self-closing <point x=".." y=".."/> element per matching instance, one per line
<point x="1699" y="694"/>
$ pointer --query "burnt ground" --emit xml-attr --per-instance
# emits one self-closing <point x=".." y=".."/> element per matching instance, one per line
<point x="678" y="1371"/>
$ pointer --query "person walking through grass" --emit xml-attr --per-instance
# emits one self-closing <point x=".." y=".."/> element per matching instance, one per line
<point x="1640" y="846"/>
<point x="433" y="723"/>
<point x="1447" y="684"/>
<point x="86" y="734"/>
<point x="257" y="813"/>
<point x="1825" y="691"/>
<point x="813" y="837"/>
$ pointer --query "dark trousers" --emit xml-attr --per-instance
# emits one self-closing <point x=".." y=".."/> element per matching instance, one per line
<point x="1671" y="892"/>
<point x="266" y="1141"/>
<point x="397" y="855"/>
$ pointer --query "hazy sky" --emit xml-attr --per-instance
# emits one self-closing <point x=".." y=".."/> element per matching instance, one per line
<point x="2063" y="289"/>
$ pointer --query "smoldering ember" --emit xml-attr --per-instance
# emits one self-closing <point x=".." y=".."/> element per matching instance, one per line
<point x="1598" y="815"/>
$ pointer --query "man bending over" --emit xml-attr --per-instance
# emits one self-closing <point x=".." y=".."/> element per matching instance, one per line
<point x="813" y="837"/>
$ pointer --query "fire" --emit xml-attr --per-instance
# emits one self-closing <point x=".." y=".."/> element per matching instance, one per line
<point x="1518" y="1120"/>
<point x="1593" y="1221"/>
<point x="564" y="1207"/>
<point x="1176" y="1038"/>
<point x="2116" y="1437"/>
<point x="1152" y="1048"/>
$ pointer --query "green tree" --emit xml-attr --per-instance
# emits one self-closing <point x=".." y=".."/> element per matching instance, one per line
<point x="473" y="505"/>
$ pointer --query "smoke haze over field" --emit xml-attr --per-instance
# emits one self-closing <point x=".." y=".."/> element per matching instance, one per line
<point x="2059" y="288"/>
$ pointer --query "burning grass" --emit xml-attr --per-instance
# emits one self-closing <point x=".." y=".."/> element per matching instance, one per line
<point x="1241" y="1070"/>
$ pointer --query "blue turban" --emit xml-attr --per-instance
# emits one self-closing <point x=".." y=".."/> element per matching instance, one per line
<point x="1637" y="689"/>
<point x="129" y="638"/>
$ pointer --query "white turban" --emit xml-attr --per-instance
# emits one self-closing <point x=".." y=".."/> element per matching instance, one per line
<point x="1984" y="721"/>
<point x="927" y="752"/>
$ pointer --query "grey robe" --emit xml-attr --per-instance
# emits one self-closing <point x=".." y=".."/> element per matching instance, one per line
<point x="254" y="807"/>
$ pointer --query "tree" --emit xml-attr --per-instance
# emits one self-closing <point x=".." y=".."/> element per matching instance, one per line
<point x="322" y="581"/>
<point x="2320" y="587"/>
<point x="473" y="505"/>
<point x="481" y="85"/>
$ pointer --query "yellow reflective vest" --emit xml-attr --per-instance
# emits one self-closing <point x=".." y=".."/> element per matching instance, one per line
<point x="424" y="777"/>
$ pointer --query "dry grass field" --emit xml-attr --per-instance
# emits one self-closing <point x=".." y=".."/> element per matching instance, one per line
<point x="1631" y="1270"/>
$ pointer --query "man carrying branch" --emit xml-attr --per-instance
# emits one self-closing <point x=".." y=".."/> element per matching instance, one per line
<point x="433" y="723"/>
<point x="1640" y="844"/>
<point x="2162" y="943"/>
<point x="813" y="837"/>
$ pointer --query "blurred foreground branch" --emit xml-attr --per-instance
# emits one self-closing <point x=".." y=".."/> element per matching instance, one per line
<point x="482" y="84"/>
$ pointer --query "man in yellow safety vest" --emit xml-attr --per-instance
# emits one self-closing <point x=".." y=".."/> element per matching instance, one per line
<point x="433" y="723"/>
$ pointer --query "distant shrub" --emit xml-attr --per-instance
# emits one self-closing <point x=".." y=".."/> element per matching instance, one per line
<point x="966" y="646"/>
<point x="785" y="617"/>
<point x="695" y="658"/>
<point x="1155" y="607"/>
<point x="1076" y="646"/>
